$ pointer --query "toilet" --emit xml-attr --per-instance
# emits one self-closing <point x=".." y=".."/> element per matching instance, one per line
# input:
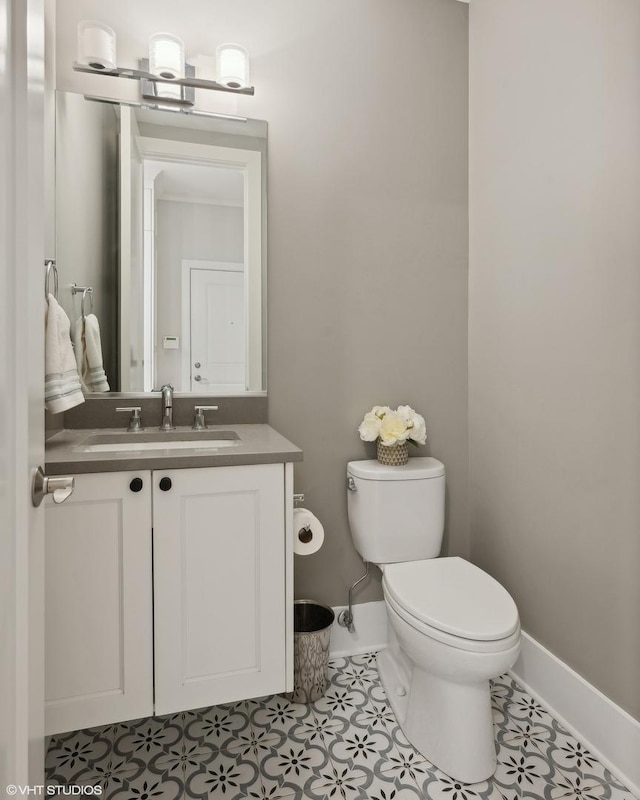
<point x="452" y="627"/>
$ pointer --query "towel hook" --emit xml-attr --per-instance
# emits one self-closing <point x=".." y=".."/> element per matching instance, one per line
<point x="86" y="291"/>
<point x="50" y="264"/>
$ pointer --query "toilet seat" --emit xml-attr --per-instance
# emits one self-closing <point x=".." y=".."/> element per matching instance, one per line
<point x="453" y="601"/>
<point x="454" y="642"/>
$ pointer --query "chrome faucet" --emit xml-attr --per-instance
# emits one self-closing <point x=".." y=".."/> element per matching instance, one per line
<point x="167" y="408"/>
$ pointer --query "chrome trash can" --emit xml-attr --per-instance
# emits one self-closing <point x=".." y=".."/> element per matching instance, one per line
<point x="312" y="635"/>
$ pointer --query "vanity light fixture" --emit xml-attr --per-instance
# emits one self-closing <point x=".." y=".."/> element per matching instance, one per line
<point x="165" y="76"/>
<point x="160" y="106"/>
<point x="166" y="60"/>
<point x="96" y="45"/>
<point x="232" y="66"/>
<point x="166" y="56"/>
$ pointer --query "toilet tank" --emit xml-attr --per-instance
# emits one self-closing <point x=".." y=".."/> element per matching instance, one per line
<point x="396" y="513"/>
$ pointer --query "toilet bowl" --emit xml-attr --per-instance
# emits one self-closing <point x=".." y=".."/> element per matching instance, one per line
<point x="452" y="627"/>
<point x="436" y="679"/>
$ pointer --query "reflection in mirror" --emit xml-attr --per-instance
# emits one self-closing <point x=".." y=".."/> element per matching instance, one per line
<point x="199" y="257"/>
<point x="186" y="197"/>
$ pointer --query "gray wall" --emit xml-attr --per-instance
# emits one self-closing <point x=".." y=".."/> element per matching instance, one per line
<point x="367" y="290"/>
<point x="555" y="324"/>
<point x="368" y="251"/>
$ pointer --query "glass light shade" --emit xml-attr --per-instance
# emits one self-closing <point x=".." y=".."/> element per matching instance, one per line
<point x="166" y="60"/>
<point x="232" y="66"/>
<point x="96" y="45"/>
<point x="166" y="56"/>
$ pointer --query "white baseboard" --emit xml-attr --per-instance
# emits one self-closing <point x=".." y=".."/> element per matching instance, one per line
<point x="612" y="735"/>
<point x="370" y="622"/>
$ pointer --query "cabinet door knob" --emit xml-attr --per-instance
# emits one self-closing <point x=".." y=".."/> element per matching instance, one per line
<point x="165" y="484"/>
<point x="136" y="485"/>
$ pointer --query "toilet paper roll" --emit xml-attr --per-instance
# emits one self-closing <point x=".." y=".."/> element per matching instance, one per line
<point x="308" y="533"/>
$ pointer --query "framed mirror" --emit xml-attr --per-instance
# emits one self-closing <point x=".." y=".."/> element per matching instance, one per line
<point x="163" y="215"/>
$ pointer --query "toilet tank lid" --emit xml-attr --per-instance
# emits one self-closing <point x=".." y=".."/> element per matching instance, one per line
<point x="415" y="469"/>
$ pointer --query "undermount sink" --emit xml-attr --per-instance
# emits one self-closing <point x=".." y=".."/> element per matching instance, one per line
<point x="158" y="440"/>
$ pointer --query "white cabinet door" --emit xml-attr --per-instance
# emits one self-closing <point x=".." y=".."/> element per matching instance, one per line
<point x="219" y="585"/>
<point x="99" y="649"/>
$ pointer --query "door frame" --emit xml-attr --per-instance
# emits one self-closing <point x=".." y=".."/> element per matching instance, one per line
<point x="22" y="192"/>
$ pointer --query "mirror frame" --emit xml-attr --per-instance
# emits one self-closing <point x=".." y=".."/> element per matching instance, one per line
<point x="249" y="162"/>
<point x="255" y="161"/>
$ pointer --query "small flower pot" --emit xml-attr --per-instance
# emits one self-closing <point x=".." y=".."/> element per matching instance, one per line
<point x="394" y="455"/>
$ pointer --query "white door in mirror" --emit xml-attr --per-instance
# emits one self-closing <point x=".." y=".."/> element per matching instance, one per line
<point x="218" y="331"/>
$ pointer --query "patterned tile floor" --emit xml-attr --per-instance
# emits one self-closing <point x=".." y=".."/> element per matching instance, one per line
<point x="346" y="746"/>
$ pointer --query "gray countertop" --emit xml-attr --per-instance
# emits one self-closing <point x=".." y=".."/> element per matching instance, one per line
<point x="259" y="444"/>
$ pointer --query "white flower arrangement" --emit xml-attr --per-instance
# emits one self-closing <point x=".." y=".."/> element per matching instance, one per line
<point x="393" y="427"/>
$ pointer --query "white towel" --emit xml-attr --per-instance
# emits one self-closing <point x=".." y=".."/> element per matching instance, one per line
<point x="88" y="349"/>
<point x="61" y="381"/>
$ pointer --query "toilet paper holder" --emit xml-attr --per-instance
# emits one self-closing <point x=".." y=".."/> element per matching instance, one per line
<point x="308" y="531"/>
<point x="304" y="534"/>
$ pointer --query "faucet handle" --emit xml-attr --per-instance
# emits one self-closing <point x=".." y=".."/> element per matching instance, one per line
<point x="199" y="422"/>
<point x="135" y="420"/>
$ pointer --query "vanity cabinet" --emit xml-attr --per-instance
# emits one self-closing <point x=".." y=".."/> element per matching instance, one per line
<point x="202" y="616"/>
<point x="219" y="585"/>
<point x="98" y="603"/>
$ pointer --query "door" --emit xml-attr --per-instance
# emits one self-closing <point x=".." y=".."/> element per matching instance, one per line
<point x="98" y="593"/>
<point x="218" y="341"/>
<point x="22" y="376"/>
<point x="219" y="585"/>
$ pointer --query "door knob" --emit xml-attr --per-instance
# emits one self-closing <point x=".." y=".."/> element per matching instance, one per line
<point x="197" y="378"/>
<point x="165" y="484"/>
<point x="59" y="487"/>
<point x="197" y="365"/>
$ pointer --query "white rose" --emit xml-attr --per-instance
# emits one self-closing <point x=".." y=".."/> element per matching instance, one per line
<point x="418" y="431"/>
<point x="393" y="429"/>
<point x="369" y="429"/>
<point x="380" y="411"/>
<point x="407" y="413"/>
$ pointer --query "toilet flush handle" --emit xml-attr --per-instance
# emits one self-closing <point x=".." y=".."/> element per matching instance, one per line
<point x="351" y="484"/>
